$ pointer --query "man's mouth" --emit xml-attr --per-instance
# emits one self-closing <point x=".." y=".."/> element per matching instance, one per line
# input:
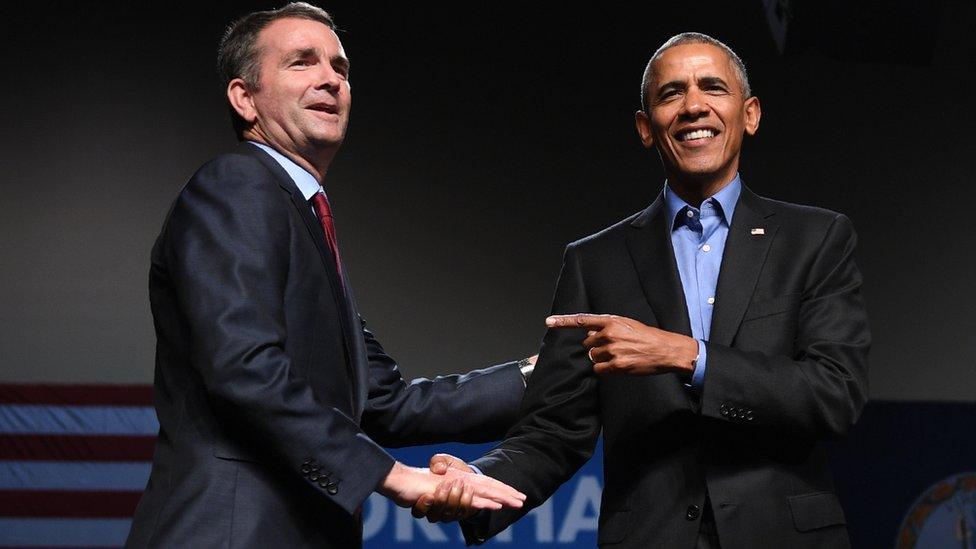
<point x="324" y="107"/>
<point x="696" y="134"/>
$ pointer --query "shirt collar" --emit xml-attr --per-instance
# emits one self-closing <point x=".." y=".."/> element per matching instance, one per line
<point x="305" y="181"/>
<point x="726" y="199"/>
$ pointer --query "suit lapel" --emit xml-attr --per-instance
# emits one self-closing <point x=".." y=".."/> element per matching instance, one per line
<point x="653" y="256"/>
<point x="348" y="318"/>
<point x="746" y="248"/>
<point x="305" y="211"/>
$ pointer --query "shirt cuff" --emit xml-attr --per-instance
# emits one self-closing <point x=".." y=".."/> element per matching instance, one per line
<point x="475" y="469"/>
<point x="698" y="376"/>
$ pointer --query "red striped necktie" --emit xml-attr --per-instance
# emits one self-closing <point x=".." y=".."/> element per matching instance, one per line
<point x="324" y="211"/>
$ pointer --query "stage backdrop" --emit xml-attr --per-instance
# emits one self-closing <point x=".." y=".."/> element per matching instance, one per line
<point x="74" y="460"/>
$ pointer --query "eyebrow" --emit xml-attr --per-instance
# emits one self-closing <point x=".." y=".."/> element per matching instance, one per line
<point x="301" y="53"/>
<point x="680" y="84"/>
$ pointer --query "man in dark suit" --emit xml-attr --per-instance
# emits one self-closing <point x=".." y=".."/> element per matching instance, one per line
<point x="716" y="338"/>
<point x="272" y="397"/>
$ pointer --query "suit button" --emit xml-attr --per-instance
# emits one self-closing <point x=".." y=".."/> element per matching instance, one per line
<point x="693" y="512"/>
<point x="306" y="470"/>
<point x="313" y="477"/>
<point x="749" y="416"/>
<point x="307" y="462"/>
<point x="332" y="488"/>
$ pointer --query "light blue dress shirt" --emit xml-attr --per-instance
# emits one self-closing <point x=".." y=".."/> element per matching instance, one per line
<point x="698" y="239"/>
<point x="306" y="182"/>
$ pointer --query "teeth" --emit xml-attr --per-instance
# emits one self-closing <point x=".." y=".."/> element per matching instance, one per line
<point x="698" y="134"/>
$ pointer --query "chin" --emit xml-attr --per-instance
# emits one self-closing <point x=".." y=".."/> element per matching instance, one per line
<point x="327" y="141"/>
<point x="699" y="170"/>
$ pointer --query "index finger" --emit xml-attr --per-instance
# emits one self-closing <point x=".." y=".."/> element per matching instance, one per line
<point x="491" y="489"/>
<point x="578" y="320"/>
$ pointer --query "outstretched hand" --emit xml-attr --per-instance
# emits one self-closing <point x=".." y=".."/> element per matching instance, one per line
<point x="406" y="485"/>
<point x="449" y="502"/>
<point x="617" y="344"/>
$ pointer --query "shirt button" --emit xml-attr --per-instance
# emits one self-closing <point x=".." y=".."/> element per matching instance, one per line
<point x="706" y="248"/>
<point x="711" y="300"/>
<point x="690" y="213"/>
<point x="693" y="512"/>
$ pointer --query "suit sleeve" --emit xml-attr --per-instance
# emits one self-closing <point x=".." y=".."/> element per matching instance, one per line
<point x="227" y="246"/>
<point x="478" y="406"/>
<point x="820" y="390"/>
<point x="559" y="422"/>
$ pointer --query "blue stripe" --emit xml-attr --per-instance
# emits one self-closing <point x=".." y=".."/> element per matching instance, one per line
<point x="63" y="532"/>
<point x="73" y="475"/>
<point x="77" y="420"/>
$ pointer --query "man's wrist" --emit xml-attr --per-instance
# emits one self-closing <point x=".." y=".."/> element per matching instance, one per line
<point x="390" y="481"/>
<point x="686" y="355"/>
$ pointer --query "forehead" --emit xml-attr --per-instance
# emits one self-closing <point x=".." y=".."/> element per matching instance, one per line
<point x="692" y="60"/>
<point x="284" y="35"/>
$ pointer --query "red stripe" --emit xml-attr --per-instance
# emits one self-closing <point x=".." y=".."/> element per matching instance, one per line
<point x="77" y="447"/>
<point x="74" y="395"/>
<point x="65" y="504"/>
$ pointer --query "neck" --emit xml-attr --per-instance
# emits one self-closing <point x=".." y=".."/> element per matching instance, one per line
<point x="316" y="162"/>
<point x="694" y="190"/>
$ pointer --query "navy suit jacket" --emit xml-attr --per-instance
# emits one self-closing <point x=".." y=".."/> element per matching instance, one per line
<point x="272" y="396"/>
<point x="787" y="368"/>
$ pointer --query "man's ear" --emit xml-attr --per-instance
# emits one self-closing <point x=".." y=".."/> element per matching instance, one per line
<point x="752" y="113"/>
<point x="241" y="100"/>
<point x="644" y="129"/>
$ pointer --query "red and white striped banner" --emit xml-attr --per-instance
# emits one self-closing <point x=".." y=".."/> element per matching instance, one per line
<point x="74" y="460"/>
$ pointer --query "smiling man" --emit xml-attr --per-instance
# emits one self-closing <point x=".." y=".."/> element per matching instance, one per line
<point x="272" y="397"/>
<point x="716" y="338"/>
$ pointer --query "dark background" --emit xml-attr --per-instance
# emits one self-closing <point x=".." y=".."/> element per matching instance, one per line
<point x="483" y="139"/>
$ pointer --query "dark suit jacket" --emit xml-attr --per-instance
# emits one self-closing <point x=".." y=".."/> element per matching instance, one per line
<point x="786" y="369"/>
<point x="272" y="396"/>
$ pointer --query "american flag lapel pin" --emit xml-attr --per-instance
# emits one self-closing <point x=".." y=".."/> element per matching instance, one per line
<point x="757" y="231"/>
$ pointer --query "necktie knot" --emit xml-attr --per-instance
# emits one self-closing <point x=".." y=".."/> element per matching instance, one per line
<point x="321" y="204"/>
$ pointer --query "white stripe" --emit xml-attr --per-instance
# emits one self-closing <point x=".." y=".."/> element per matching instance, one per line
<point x="56" y="532"/>
<point x="77" y="420"/>
<point x="73" y="475"/>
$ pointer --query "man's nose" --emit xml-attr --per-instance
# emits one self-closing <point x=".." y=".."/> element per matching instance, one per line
<point x="694" y="105"/>
<point x="328" y="78"/>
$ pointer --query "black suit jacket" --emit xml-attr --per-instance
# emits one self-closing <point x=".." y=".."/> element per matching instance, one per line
<point x="786" y="369"/>
<point x="272" y="397"/>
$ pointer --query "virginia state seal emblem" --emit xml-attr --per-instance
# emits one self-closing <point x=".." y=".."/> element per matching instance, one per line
<point x="943" y="516"/>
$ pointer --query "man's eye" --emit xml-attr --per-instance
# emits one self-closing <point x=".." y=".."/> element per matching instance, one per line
<point x="301" y="63"/>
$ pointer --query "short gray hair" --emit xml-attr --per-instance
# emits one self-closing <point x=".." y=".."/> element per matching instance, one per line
<point x="239" y="55"/>
<point x="696" y="38"/>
